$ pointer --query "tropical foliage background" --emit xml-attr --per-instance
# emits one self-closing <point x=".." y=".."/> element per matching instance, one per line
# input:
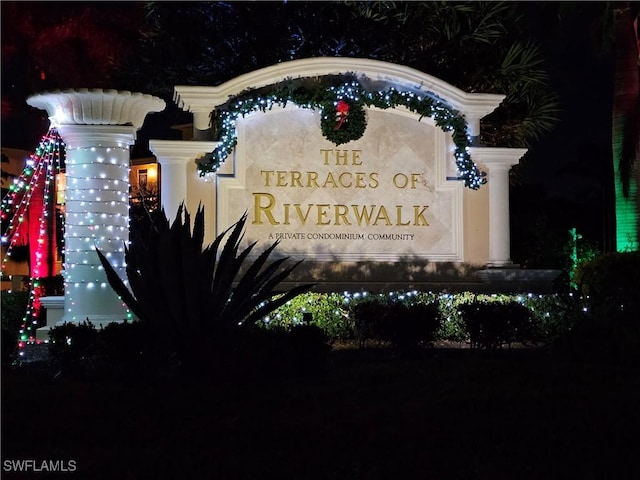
<point x="478" y="47"/>
<point x="152" y="46"/>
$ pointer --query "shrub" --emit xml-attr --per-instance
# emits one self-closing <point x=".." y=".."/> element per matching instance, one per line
<point x="553" y="316"/>
<point x="367" y="320"/>
<point x="14" y="307"/>
<point x="116" y="351"/>
<point x="452" y="327"/>
<point x="187" y="294"/>
<point x="74" y="348"/>
<point x="126" y="353"/>
<point x="123" y="352"/>
<point x="611" y="281"/>
<point x="492" y="324"/>
<point x="484" y="327"/>
<point x="404" y="320"/>
<point x="610" y="284"/>
<point x="328" y="311"/>
<point x="408" y="326"/>
<point x="344" y="316"/>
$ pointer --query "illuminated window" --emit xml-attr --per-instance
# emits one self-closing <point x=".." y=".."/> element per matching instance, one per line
<point x="142" y="177"/>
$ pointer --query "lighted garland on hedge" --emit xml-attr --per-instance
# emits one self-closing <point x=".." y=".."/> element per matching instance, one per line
<point x="343" y="118"/>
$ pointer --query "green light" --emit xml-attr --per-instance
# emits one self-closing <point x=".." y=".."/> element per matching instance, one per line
<point x="626" y="217"/>
<point x="574" y="237"/>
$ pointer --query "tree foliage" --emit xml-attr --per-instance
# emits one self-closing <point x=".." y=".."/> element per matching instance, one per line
<point x="477" y="46"/>
<point x="151" y="47"/>
<point x="47" y="46"/>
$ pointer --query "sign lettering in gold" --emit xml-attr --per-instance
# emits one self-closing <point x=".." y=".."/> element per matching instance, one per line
<point x="268" y="210"/>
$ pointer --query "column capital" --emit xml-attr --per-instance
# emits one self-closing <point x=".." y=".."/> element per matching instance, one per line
<point x="473" y="123"/>
<point x="180" y="151"/>
<point x="497" y="157"/>
<point x="96" y="106"/>
<point x="86" y="136"/>
<point x="202" y="120"/>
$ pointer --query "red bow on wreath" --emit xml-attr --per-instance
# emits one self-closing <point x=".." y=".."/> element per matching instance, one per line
<point x="342" y="111"/>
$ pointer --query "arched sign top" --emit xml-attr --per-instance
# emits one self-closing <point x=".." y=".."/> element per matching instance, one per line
<point x="201" y="99"/>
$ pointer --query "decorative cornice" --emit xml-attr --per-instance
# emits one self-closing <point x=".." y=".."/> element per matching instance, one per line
<point x="52" y="301"/>
<point x="498" y="156"/>
<point x="379" y="74"/>
<point x="84" y="106"/>
<point x="168" y="150"/>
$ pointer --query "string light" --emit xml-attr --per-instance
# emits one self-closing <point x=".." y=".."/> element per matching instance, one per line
<point x="28" y="216"/>
<point x="97" y="215"/>
<point x="97" y="212"/>
<point x="427" y="104"/>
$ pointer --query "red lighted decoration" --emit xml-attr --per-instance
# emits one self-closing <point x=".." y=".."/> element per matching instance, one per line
<point x="342" y="112"/>
<point x="29" y="218"/>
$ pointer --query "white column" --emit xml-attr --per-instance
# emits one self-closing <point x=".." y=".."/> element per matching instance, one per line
<point x="97" y="217"/>
<point x="174" y="156"/>
<point x="201" y="124"/>
<point x="499" y="228"/>
<point x="498" y="162"/>
<point x="98" y="128"/>
<point x="473" y="123"/>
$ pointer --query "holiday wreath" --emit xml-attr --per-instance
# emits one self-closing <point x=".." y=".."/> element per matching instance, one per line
<point x="342" y="101"/>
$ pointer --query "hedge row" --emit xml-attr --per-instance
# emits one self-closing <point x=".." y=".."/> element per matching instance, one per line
<point x="409" y="319"/>
<point x="128" y="351"/>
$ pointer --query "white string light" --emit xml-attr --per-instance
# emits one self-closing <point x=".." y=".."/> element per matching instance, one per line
<point x="428" y="104"/>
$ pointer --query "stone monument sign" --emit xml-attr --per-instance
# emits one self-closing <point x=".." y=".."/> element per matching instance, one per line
<point x="396" y="206"/>
<point x="383" y="197"/>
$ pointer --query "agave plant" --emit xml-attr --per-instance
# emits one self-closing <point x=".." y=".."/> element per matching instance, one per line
<point x="193" y="293"/>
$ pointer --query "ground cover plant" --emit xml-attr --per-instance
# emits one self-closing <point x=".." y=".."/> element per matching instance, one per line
<point x="14" y="306"/>
<point x="362" y="316"/>
<point x="304" y="327"/>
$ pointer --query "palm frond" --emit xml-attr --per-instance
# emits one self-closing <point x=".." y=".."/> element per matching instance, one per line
<point x="119" y="286"/>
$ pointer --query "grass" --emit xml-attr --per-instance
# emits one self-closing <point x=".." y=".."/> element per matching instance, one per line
<point x="440" y="414"/>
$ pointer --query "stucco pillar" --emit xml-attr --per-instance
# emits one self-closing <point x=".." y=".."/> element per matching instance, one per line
<point x="473" y="124"/>
<point x="201" y="125"/>
<point x="195" y="100"/>
<point x="98" y="127"/>
<point x="498" y="162"/>
<point x="174" y="157"/>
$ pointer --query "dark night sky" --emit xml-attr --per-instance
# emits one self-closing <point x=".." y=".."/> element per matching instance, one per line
<point x="563" y="180"/>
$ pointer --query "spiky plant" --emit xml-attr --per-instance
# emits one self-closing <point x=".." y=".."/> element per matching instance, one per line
<point x="189" y="294"/>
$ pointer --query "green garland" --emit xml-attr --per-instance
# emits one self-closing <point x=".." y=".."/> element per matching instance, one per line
<point x="314" y="94"/>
